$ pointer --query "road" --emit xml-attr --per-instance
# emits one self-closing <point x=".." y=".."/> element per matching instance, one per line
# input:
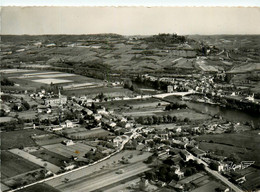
<point x="86" y="184"/>
<point x="223" y="179"/>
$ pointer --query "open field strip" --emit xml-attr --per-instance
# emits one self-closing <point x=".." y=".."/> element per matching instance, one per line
<point x="85" y="87"/>
<point x="142" y="113"/>
<point x="51" y="167"/>
<point x="15" y="70"/>
<point x="82" y="85"/>
<point x="54" y="81"/>
<point x="56" y="75"/>
<point x="42" y="73"/>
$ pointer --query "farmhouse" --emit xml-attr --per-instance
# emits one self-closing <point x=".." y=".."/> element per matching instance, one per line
<point x="117" y="141"/>
<point x="69" y="124"/>
<point x="68" y="142"/>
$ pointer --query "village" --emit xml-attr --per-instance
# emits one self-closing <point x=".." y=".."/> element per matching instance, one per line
<point x="61" y="135"/>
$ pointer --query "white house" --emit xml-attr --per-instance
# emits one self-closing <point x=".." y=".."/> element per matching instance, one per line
<point x="97" y="117"/>
<point x="69" y="124"/>
<point x="117" y="141"/>
<point x="68" y="142"/>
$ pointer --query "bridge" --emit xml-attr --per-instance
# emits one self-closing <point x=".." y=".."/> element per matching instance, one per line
<point x="163" y="95"/>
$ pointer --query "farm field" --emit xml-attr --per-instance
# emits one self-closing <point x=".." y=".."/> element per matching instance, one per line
<point x="131" y="102"/>
<point x="27" y="79"/>
<point x="108" y="91"/>
<point x="30" y="114"/>
<point x="21" y="138"/>
<point x="49" y="166"/>
<point x="183" y="113"/>
<point x="41" y="187"/>
<point x="12" y="165"/>
<point x="47" y="139"/>
<point x="88" y="134"/>
<point x="245" y="145"/>
<point x="51" y="157"/>
<point x="209" y="187"/>
<point x="10" y="71"/>
<point x="252" y="180"/>
<point x="52" y="81"/>
<point x="78" y="149"/>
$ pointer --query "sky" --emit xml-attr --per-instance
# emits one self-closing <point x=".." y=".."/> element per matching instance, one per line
<point x="130" y="3"/>
<point x="129" y="20"/>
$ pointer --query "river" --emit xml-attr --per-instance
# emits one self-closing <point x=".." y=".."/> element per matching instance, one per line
<point x="226" y="113"/>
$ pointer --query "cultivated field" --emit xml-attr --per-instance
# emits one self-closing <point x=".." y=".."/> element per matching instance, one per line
<point x="52" y="81"/>
<point x="186" y="113"/>
<point x="49" y="166"/>
<point x="41" y="187"/>
<point x="245" y="145"/>
<point x="87" y="134"/>
<point x="9" y="71"/>
<point x="211" y="186"/>
<point x="78" y="149"/>
<point x="31" y="79"/>
<point x="21" y="138"/>
<point x="51" y="157"/>
<point x="93" y="91"/>
<point x="13" y="165"/>
<point x="47" y="139"/>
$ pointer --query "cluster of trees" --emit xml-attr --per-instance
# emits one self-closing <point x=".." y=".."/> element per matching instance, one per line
<point x="163" y="172"/>
<point x="166" y="172"/>
<point x="128" y="84"/>
<point x="152" y="120"/>
<point x="154" y="84"/>
<point x="244" y="106"/>
<point x="13" y="125"/>
<point x="6" y="82"/>
<point x="166" y="39"/>
<point x="175" y="105"/>
<point x="94" y="155"/>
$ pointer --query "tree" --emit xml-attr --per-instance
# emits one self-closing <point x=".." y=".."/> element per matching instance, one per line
<point x="213" y="165"/>
<point x="149" y="120"/>
<point x="186" y="119"/>
<point x="26" y="105"/>
<point x="188" y="172"/>
<point x="101" y="96"/>
<point x="155" y="119"/>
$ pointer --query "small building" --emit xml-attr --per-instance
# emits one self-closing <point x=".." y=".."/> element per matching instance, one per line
<point x="112" y="124"/>
<point x="88" y="111"/>
<point x="56" y="128"/>
<point x="169" y="89"/>
<point x="69" y="124"/>
<point x="198" y="152"/>
<point x="117" y="141"/>
<point x="68" y="142"/>
<point x="102" y="111"/>
<point x="97" y="117"/>
<point x="69" y="167"/>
